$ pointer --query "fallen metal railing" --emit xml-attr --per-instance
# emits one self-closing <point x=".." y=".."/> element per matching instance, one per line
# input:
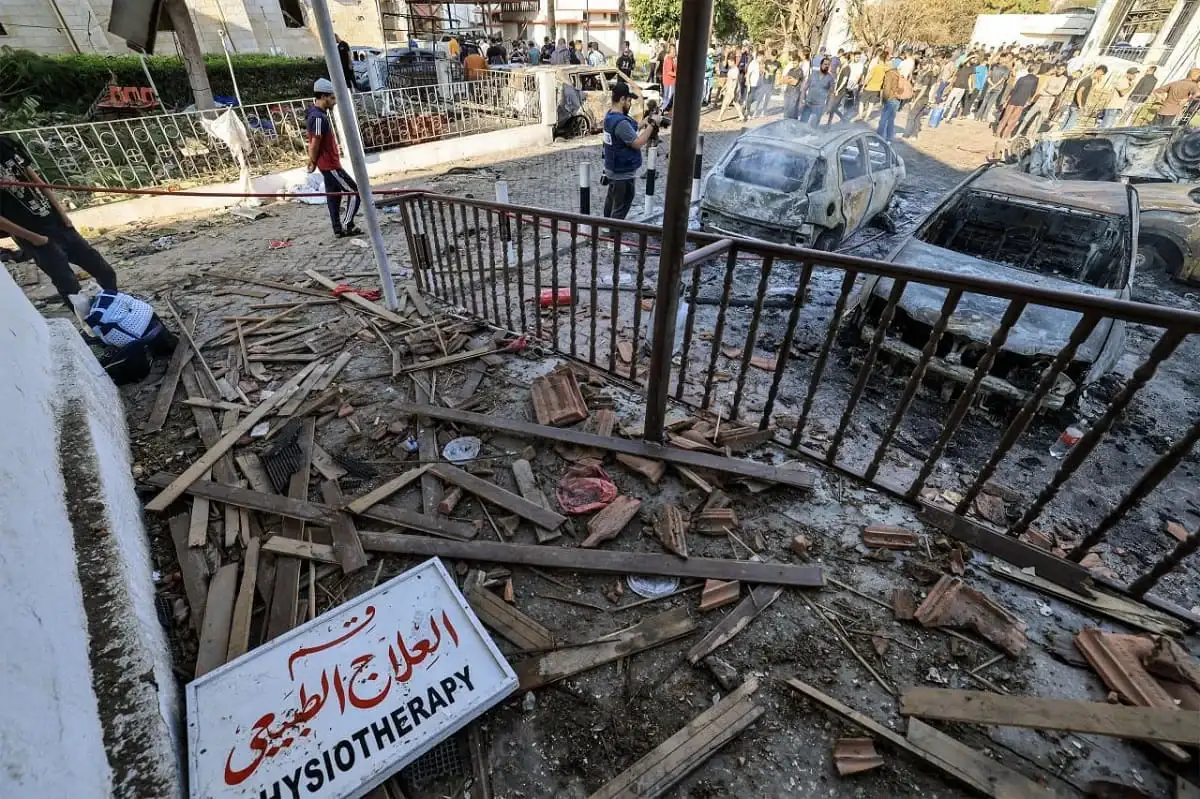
<point x="508" y="264"/>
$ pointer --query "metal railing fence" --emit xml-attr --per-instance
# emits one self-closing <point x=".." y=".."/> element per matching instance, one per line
<point x="504" y="263"/>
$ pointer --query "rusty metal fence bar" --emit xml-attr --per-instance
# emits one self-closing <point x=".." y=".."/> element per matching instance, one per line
<point x="547" y="243"/>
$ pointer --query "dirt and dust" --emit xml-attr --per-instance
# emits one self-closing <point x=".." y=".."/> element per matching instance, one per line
<point x="574" y="736"/>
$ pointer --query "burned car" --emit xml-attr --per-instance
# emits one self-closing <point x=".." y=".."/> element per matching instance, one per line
<point x="788" y="183"/>
<point x="1164" y="163"/>
<point x="1004" y="224"/>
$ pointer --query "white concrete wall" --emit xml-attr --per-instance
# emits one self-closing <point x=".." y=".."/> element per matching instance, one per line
<point x="89" y="703"/>
<point x="402" y="159"/>
<point x="993" y="30"/>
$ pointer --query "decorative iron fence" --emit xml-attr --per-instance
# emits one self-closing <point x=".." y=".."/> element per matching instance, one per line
<point x="173" y="151"/>
<point x="771" y="336"/>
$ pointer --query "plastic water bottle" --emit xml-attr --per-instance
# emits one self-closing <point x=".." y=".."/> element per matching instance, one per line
<point x="1066" y="440"/>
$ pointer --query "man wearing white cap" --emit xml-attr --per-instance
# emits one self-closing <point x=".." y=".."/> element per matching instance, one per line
<point x="323" y="155"/>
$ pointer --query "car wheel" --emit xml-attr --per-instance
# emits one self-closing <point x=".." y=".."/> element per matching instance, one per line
<point x="828" y="240"/>
<point x="579" y="126"/>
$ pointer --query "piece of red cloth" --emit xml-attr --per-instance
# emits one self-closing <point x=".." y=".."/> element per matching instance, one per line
<point x="366" y="294"/>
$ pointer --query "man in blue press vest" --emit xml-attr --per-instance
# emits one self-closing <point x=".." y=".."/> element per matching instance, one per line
<point x="623" y="142"/>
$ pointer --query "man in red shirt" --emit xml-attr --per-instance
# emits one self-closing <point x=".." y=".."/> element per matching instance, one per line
<point x="668" y="78"/>
<point x="323" y="156"/>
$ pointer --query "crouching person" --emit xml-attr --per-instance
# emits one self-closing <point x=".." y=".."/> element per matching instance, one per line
<point x="128" y="333"/>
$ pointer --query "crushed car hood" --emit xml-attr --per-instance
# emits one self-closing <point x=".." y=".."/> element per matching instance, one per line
<point x="1041" y="330"/>
<point x="751" y="202"/>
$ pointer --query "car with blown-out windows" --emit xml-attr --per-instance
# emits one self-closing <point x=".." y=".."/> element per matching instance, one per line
<point x="1005" y="224"/>
<point x="789" y="183"/>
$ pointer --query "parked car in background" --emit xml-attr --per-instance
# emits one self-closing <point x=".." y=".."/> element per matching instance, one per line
<point x="1164" y="164"/>
<point x="1005" y="224"/>
<point x="788" y="183"/>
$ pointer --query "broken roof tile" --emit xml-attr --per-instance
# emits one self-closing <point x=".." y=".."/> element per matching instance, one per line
<point x="855" y="755"/>
<point x="952" y="603"/>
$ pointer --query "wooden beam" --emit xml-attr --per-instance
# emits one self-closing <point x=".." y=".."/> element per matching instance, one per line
<point x="166" y="390"/>
<point x="308" y="550"/>
<point x="324" y="463"/>
<point x="676" y="757"/>
<point x="796" y="478"/>
<point x="206" y="426"/>
<point x="448" y="359"/>
<point x="747" y="610"/>
<point x="541" y="670"/>
<point x="316" y="513"/>
<point x="194" y="568"/>
<point x="346" y="546"/>
<point x="955" y="767"/>
<point x="206" y="461"/>
<point x="513" y="503"/>
<point x="251" y="466"/>
<point x="216" y="405"/>
<point x="361" y="302"/>
<point x="1002" y="782"/>
<point x="271" y="284"/>
<point x="373" y="498"/>
<point x="596" y="560"/>
<point x="243" y="608"/>
<point x="427" y="447"/>
<point x="527" y="484"/>
<point x="1119" y="721"/>
<point x="504" y="618"/>
<point x="218" y="613"/>
<point x="198" y="522"/>
<point x="282" y="616"/>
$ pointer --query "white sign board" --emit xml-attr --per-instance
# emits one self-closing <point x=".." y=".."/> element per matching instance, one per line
<point x="337" y="705"/>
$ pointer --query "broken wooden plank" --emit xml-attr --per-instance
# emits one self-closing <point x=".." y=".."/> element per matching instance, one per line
<point x="796" y="478"/>
<point x="335" y="369"/>
<point x="502" y="617"/>
<point x="448" y="360"/>
<point x="373" y="498"/>
<point x="251" y="466"/>
<point x="883" y="537"/>
<point x="198" y="522"/>
<point x="356" y="299"/>
<point x="611" y="520"/>
<point x="1068" y="715"/>
<point x="289" y="408"/>
<point x="166" y="390"/>
<point x="225" y="390"/>
<point x="283" y="613"/>
<point x="755" y="603"/>
<point x="1002" y="781"/>
<point x="559" y="664"/>
<point x="427" y="447"/>
<point x="660" y="769"/>
<point x="652" y="470"/>
<point x="475" y="374"/>
<point x="216" y="405"/>
<point x="527" y="485"/>
<point x="954" y="766"/>
<point x="271" y="284"/>
<point x="243" y="608"/>
<point x="595" y="560"/>
<point x="496" y="495"/>
<point x="557" y="399"/>
<point x="193" y="567"/>
<point x="308" y="550"/>
<point x="218" y="613"/>
<point x="324" y="463"/>
<point x="213" y="454"/>
<point x="952" y="603"/>
<point x="207" y="428"/>
<point x="294" y="358"/>
<point x="347" y="548"/>
<point x="718" y="594"/>
<point x="316" y="513"/>
<point x="672" y="530"/>
<point x="904" y="604"/>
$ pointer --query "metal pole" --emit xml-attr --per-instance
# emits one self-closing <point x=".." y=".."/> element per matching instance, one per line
<point x="65" y="27"/>
<point x="685" y="125"/>
<point x="232" y="77"/>
<point x="585" y="188"/>
<point x="354" y="147"/>
<point x="149" y="77"/>
<point x="651" y="173"/>
<point x="698" y="170"/>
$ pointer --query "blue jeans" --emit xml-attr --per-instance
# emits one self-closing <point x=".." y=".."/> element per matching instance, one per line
<point x="887" y="120"/>
<point x="668" y="97"/>
<point x="1072" y="116"/>
<point x="1110" y="117"/>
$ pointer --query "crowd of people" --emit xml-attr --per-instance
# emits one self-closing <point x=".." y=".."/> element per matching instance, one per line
<point x="1014" y="89"/>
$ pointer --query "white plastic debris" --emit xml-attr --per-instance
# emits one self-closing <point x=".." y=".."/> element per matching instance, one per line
<point x="462" y="449"/>
<point x="259" y="430"/>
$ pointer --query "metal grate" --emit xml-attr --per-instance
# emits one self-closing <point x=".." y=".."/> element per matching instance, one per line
<point x="442" y="761"/>
<point x="283" y="459"/>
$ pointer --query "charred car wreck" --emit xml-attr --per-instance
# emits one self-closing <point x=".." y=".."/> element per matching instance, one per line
<point x="1004" y="224"/>
<point x="788" y="183"/>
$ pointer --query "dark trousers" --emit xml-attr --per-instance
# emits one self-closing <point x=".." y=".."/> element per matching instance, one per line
<point x="915" y="111"/>
<point x="619" y="199"/>
<point x="66" y="247"/>
<point x="338" y="180"/>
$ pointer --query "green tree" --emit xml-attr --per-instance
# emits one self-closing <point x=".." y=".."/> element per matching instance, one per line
<point x="1015" y="7"/>
<point x="659" y="19"/>
<point x="786" y="21"/>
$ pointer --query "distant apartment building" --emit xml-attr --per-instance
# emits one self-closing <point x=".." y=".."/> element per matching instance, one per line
<point x="283" y="27"/>
<point x="584" y="20"/>
<point x="1137" y="33"/>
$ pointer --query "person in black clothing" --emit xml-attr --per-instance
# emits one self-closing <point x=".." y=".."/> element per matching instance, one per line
<point x="35" y="219"/>
<point x="344" y="56"/>
<point x="625" y="61"/>
<point x="1019" y="98"/>
<point x="1143" y="88"/>
<point x="547" y="49"/>
<point x="922" y="89"/>
<point x="496" y="54"/>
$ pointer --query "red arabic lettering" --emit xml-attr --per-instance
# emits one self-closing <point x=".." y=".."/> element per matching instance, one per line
<point x="312" y="650"/>
<point x="267" y="741"/>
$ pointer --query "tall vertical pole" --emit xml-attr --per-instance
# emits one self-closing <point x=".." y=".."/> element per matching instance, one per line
<point x="685" y="126"/>
<point x="352" y="140"/>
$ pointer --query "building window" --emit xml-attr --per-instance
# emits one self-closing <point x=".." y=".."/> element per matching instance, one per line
<point x="293" y="13"/>
<point x="1181" y="23"/>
